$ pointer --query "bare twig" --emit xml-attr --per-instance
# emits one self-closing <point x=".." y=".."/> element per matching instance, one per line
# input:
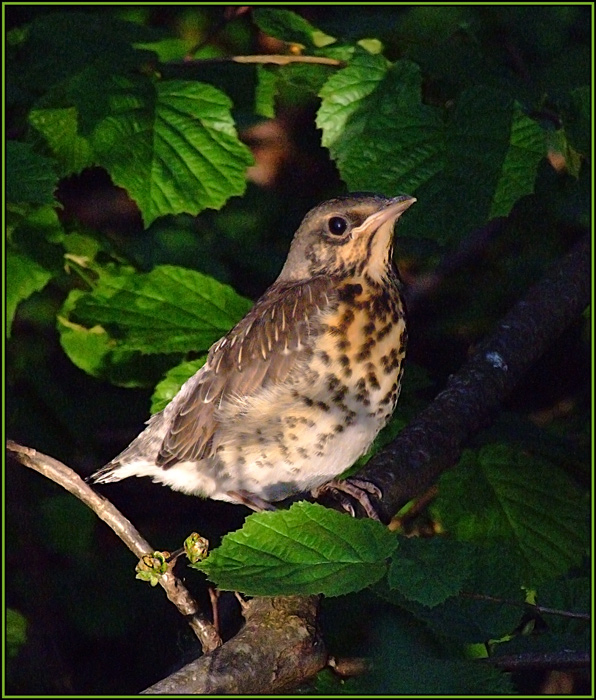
<point x="398" y="522"/>
<point x="529" y="606"/>
<point x="276" y="59"/>
<point x="175" y="590"/>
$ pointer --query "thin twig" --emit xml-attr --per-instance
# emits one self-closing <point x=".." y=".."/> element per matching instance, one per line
<point x="175" y="590"/>
<point x="530" y="606"/>
<point x="399" y="522"/>
<point x="540" y="661"/>
<point x="277" y="59"/>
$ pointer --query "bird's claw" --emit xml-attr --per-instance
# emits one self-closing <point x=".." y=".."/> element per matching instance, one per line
<point x="359" y="489"/>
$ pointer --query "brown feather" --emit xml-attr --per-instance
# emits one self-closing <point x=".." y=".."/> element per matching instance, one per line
<point x="260" y="351"/>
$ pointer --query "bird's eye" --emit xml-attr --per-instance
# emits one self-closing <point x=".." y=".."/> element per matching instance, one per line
<point x="337" y="225"/>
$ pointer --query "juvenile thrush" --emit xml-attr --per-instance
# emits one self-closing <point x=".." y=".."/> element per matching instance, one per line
<point x="300" y="387"/>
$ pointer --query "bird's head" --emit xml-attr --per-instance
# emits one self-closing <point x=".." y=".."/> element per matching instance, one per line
<point x="350" y="235"/>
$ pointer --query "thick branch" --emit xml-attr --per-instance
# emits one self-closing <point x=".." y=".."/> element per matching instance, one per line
<point x="433" y="441"/>
<point x="175" y="590"/>
<point x="278" y="648"/>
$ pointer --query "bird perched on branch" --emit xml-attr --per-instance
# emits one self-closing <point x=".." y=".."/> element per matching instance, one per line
<point x="300" y="387"/>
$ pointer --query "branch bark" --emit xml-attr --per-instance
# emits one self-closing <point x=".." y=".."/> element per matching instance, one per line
<point x="278" y="648"/>
<point x="433" y="441"/>
<point x="176" y="591"/>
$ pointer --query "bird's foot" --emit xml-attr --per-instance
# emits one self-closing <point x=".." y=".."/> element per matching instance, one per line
<point x="359" y="489"/>
<point x="251" y="500"/>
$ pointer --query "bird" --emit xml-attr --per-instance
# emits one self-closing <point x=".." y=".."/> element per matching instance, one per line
<point x="297" y="390"/>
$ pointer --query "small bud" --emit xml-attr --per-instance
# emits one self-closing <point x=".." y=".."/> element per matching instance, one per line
<point x="152" y="567"/>
<point x="196" y="547"/>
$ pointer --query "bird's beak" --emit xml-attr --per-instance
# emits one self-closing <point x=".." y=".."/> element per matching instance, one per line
<point x="390" y="212"/>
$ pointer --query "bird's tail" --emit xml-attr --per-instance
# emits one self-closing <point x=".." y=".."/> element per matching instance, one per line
<point x="139" y="458"/>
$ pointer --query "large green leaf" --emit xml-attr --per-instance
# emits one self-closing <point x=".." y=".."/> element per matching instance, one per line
<point x="488" y="606"/>
<point x="466" y="165"/>
<point x="376" y="127"/>
<point x="501" y="494"/>
<point x="23" y="277"/>
<point x="304" y="550"/>
<point x="170" y="309"/>
<point x="430" y="570"/>
<point x="173" y="148"/>
<point x="172" y="145"/>
<point x="96" y="352"/>
<point x="30" y="177"/>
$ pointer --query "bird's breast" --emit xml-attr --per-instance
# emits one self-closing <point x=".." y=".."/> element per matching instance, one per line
<point x="299" y="434"/>
<point x="361" y="349"/>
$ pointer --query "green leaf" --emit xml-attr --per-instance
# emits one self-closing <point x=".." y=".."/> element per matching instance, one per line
<point x="304" y="550"/>
<point x="492" y="152"/>
<point x="384" y="139"/>
<point x="23" y="277"/>
<point x="94" y="351"/>
<point x="500" y="494"/>
<point x="16" y="631"/>
<point x="408" y="660"/>
<point x="171" y="383"/>
<point x="265" y="92"/>
<point x="30" y="177"/>
<point x="171" y="145"/>
<point x="377" y="129"/>
<point x="525" y="150"/>
<point x="170" y="309"/>
<point x="60" y="129"/>
<point x="345" y="92"/>
<point x="429" y="570"/>
<point x="181" y="138"/>
<point x="486" y="606"/>
<point x="61" y="44"/>
<point x="289" y="27"/>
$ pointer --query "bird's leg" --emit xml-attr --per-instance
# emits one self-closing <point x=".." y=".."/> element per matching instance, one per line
<point x="358" y="489"/>
<point x="251" y="500"/>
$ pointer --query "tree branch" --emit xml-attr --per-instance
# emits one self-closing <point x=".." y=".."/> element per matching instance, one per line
<point x="433" y="441"/>
<point x="278" y="648"/>
<point x="175" y="590"/>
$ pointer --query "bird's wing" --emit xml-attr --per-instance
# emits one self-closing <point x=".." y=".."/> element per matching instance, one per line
<point x="258" y="352"/>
